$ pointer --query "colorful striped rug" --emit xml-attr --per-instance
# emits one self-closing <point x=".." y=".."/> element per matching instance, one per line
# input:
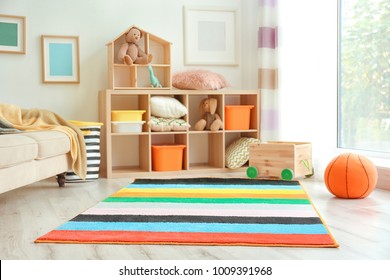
<point x="203" y="211"/>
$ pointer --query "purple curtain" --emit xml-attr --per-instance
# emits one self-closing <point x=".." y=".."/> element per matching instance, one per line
<point x="268" y="65"/>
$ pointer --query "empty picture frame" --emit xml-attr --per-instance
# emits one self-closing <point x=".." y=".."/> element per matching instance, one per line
<point x="12" y="34"/>
<point x="210" y="36"/>
<point x="60" y="59"/>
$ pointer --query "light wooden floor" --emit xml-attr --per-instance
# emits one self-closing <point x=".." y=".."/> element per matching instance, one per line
<point x="361" y="227"/>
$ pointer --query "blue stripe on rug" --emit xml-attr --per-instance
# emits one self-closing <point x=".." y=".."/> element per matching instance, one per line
<point x="200" y="227"/>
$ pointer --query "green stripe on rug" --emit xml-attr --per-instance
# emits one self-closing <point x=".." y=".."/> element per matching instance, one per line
<point x="208" y="200"/>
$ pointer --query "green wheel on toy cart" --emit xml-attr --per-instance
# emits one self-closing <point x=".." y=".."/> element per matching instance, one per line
<point x="252" y="172"/>
<point x="287" y="174"/>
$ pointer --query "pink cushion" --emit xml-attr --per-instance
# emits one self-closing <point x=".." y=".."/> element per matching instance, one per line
<point x="199" y="79"/>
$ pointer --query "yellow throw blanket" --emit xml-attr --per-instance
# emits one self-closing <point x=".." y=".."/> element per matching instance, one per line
<point x="38" y="119"/>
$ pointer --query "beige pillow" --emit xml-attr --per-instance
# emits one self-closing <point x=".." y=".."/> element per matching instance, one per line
<point x="237" y="154"/>
<point x="199" y="79"/>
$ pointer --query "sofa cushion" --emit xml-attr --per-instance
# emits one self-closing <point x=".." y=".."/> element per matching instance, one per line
<point x="16" y="148"/>
<point x="50" y="143"/>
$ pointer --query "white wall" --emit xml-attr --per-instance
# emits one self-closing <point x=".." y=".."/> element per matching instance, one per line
<point x="96" y="22"/>
<point x="307" y="97"/>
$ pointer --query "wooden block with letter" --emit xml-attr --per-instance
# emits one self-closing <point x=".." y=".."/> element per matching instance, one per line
<point x="286" y="160"/>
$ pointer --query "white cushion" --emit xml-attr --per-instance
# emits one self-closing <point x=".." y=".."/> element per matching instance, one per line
<point x="16" y="149"/>
<point x="167" y="107"/>
<point x="50" y="142"/>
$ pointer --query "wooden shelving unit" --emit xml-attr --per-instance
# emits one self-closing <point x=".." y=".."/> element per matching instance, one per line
<point x="129" y="154"/>
<point x="136" y="76"/>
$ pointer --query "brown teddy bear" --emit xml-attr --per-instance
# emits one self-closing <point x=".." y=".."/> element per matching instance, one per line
<point x="210" y="119"/>
<point x="130" y="52"/>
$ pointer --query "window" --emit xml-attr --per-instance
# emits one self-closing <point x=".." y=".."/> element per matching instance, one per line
<point x="364" y="76"/>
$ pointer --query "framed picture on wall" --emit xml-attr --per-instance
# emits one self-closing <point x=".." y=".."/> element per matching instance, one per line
<point x="12" y="34"/>
<point x="60" y="59"/>
<point x="210" y="36"/>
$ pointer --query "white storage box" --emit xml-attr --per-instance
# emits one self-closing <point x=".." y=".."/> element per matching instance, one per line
<point x="125" y="127"/>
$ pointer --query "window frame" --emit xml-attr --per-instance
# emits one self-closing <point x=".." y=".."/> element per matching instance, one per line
<point x="381" y="160"/>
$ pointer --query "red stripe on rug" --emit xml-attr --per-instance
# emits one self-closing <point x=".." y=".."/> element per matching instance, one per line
<point x="141" y="237"/>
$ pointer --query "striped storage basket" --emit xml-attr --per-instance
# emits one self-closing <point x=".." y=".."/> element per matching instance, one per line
<point x="91" y="131"/>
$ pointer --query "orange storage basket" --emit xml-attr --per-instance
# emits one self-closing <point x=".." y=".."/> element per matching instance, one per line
<point x="167" y="157"/>
<point x="238" y="117"/>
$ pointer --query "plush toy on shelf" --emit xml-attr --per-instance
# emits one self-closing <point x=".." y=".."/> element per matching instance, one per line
<point x="153" y="79"/>
<point x="130" y="52"/>
<point x="210" y="119"/>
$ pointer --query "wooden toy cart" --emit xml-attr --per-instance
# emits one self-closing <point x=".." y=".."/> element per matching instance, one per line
<point x="286" y="160"/>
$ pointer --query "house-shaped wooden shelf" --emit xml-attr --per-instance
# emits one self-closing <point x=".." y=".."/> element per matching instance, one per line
<point x="136" y="76"/>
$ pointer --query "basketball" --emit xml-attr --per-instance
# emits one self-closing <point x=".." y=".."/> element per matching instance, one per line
<point x="350" y="176"/>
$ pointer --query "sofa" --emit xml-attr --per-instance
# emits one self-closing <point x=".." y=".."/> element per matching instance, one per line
<point x="28" y="157"/>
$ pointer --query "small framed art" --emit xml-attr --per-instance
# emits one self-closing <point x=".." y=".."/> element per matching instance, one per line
<point x="60" y="59"/>
<point x="210" y="36"/>
<point x="12" y="34"/>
